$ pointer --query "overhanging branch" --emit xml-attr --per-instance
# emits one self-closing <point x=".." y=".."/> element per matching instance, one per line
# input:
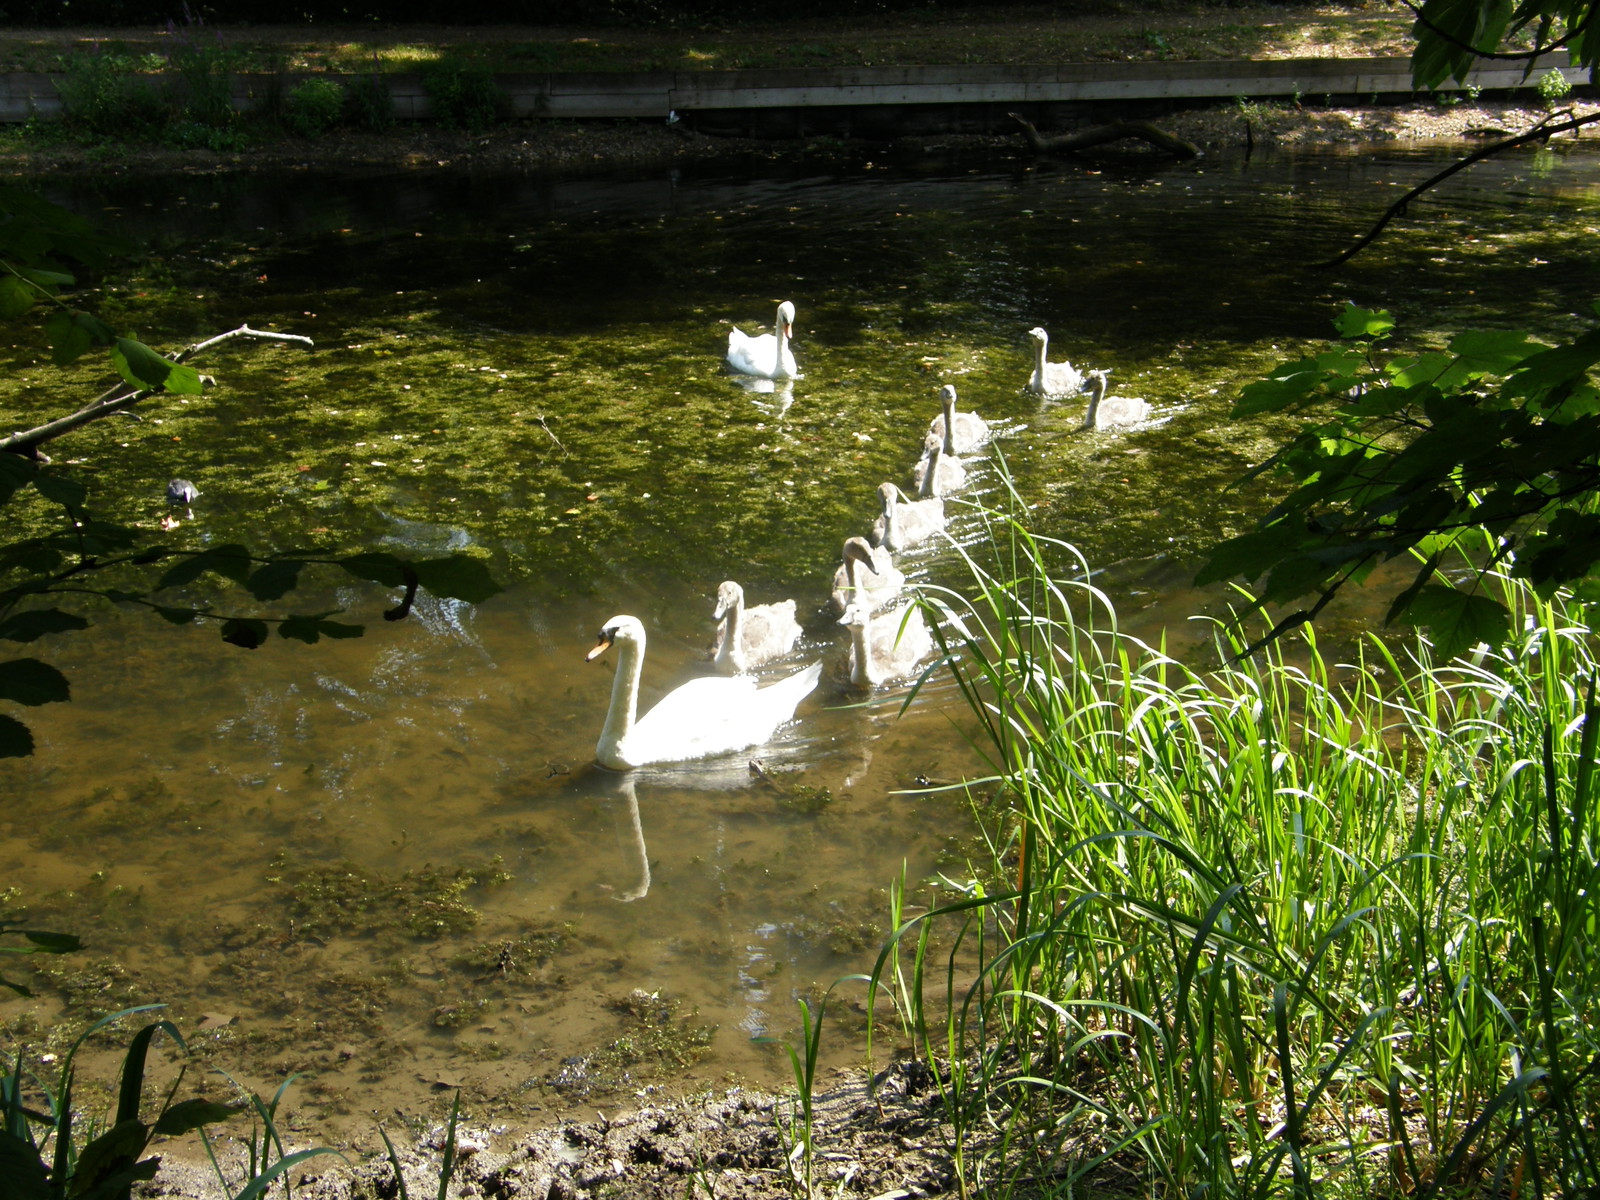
<point x="121" y="397"/>
<point x="1543" y="131"/>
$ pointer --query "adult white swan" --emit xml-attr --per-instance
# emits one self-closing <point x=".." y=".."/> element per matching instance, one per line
<point x="1117" y="410"/>
<point x="704" y="717"/>
<point x="766" y="355"/>
<point x="1048" y="378"/>
<point x="905" y="523"/>
<point x="871" y="577"/>
<point x="956" y="432"/>
<point x="748" y="637"/>
<point x="887" y="647"/>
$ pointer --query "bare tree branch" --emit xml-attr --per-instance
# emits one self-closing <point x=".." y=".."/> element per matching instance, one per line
<point x="1543" y="131"/>
<point x="1101" y="134"/>
<point x="120" y="397"/>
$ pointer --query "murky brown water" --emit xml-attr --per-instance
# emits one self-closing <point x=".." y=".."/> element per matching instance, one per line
<point x="386" y="862"/>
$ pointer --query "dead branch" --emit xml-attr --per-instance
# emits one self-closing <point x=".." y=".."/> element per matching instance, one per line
<point x="121" y="397"/>
<point x="1543" y="131"/>
<point x="1069" y="143"/>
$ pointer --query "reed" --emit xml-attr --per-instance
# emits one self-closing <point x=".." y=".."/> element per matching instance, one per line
<point x="1283" y="926"/>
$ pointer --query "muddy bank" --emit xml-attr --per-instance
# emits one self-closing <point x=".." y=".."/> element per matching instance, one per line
<point x="883" y="1140"/>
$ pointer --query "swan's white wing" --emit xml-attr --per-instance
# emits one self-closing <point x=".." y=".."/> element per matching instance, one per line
<point x="711" y="716"/>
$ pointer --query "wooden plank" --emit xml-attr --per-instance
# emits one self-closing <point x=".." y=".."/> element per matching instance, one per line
<point x="641" y="96"/>
<point x="26" y="94"/>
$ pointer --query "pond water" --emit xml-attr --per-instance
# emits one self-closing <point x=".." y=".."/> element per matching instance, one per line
<point x="386" y="862"/>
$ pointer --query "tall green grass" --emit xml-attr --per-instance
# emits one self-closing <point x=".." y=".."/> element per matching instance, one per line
<point x="1277" y="926"/>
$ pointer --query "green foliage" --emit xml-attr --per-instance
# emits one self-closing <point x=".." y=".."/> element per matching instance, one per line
<point x="369" y="105"/>
<point x="267" y="1160"/>
<point x="82" y="556"/>
<point x="447" y="1165"/>
<point x="1553" y="87"/>
<point x="1409" y="455"/>
<point x="464" y="94"/>
<point x="203" y="65"/>
<point x="1283" y="927"/>
<point x="103" y="93"/>
<point x="313" y="108"/>
<point x="47" y="1155"/>
<point x="1452" y="35"/>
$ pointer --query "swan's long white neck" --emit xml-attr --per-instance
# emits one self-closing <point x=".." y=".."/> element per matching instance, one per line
<point x="891" y="525"/>
<point x="1097" y="393"/>
<point x="861" y="644"/>
<point x="949" y="424"/>
<point x="1040" y="345"/>
<point x="729" y="653"/>
<point x="780" y="337"/>
<point x="930" y="484"/>
<point x="624" y="700"/>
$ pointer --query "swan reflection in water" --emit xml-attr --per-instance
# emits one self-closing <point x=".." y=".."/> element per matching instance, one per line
<point x="630" y="840"/>
<point x="771" y="396"/>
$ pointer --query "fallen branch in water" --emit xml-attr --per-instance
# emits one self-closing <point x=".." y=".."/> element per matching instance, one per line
<point x="1068" y="143"/>
<point x="122" y="397"/>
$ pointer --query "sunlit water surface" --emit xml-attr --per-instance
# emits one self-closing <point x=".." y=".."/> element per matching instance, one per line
<point x="385" y="862"/>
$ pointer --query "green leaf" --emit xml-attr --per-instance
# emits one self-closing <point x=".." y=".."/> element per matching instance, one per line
<point x="71" y="334"/>
<point x="110" y="1153"/>
<point x="118" y="1184"/>
<point x="68" y="340"/>
<point x="59" y="489"/>
<point x="142" y="367"/>
<point x="246" y="632"/>
<point x="459" y="577"/>
<point x="1355" y="322"/>
<point x="189" y="1115"/>
<point x="1457" y="621"/>
<point x="23" y="1174"/>
<point x="31" y="682"/>
<point x="49" y="280"/>
<point x="36" y="622"/>
<point x="259" y="1185"/>
<point x="231" y="561"/>
<point x="15" y="472"/>
<point x="16" y="297"/>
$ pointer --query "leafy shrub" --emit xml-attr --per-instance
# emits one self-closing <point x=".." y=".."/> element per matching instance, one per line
<point x="105" y="93"/>
<point x="1553" y="87"/>
<point x="313" y="108"/>
<point x="204" y="66"/>
<point x="464" y="94"/>
<point x="369" y="104"/>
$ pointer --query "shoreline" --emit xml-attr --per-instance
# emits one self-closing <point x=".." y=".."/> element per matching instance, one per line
<point x="576" y="148"/>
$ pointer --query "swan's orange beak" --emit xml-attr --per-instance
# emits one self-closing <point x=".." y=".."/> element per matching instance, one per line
<point x="601" y="644"/>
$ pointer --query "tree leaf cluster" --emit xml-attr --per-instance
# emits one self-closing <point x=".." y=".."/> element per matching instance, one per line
<point x="1453" y="35"/>
<point x="1417" y="456"/>
<point x="48" y="579"/>
<point x="39" y="242"/>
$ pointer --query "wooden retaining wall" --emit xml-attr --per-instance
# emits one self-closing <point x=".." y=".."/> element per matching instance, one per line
<point x="705" y="97"/>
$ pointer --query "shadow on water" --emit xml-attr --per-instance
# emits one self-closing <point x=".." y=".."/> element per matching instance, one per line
<point x="388" y="862"/>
